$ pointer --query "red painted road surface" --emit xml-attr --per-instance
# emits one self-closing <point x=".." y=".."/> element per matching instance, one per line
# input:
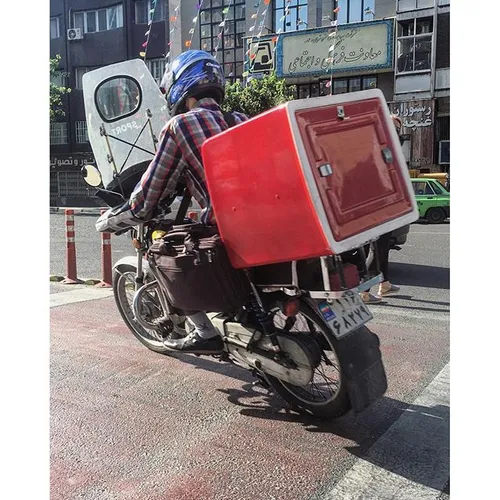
<point x="130" y="424"/>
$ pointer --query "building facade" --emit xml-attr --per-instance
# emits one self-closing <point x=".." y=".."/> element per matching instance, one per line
<point x="319" y="46"/>
<point x="88" y="34"/>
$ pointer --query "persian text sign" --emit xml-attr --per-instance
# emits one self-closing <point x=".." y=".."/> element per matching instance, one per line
<point x="359" y="47"/>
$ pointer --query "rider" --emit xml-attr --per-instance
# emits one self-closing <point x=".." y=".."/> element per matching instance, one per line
<point x="193" y="85"/>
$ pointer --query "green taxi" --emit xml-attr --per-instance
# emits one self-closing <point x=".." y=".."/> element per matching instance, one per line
<point x="433" y="199"/>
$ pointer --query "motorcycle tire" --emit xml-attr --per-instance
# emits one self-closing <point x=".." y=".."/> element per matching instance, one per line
<point x="123" y="290"/>
<point x="323" y="408"/>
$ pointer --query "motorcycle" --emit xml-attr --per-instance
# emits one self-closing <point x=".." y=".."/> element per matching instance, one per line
<point x="302" y="332"/>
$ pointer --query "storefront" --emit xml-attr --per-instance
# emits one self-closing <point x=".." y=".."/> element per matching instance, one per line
<point x="67" y="186"/>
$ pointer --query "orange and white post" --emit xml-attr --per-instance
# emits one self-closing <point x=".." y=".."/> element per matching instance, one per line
<point x="71" y="275"/>
<point x="106" y="260"/>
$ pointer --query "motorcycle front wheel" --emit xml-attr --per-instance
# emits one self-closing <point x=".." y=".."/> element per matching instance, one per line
<point x="326" y="395"/>
<point x="150" y="308"/>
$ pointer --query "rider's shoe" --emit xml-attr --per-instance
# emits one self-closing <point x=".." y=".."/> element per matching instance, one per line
<point x="192" y="343"/>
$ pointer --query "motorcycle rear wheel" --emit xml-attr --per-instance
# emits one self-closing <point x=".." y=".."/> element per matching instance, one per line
<point x="326" y="395"/>
<point x="124" y="291"/>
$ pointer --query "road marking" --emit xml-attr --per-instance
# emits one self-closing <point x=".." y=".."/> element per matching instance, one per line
<point x="428" y="232"/>
<point x="79" y="295"/>
<point x="380" y="310"/>
<point x="411" y="460"/>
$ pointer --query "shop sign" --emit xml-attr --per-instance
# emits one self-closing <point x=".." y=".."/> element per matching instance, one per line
<point x="260" y="56"/>
<point x="75" y="161"/>
<point x="356" y="47"/>
<point x="417" y="117"/>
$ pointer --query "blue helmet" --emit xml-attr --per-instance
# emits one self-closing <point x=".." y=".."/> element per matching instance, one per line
<point x="193" y="73"/>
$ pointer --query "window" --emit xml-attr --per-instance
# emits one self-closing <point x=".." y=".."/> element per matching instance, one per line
<point x="81" y="132"/>
<point x="289" y="15"/>
<point x="421" y="188"/>
<point x="340" y="86"/>
<point x="404" y="5"/>
<point x="143" y="12"/>
<point x="228" y="39"/>
<point x="58" y="133"/>
<point x="79" y="72"/>
<point x="54" y="28"/>
<point x="156" y="68"/>
<point x="117" y="98"/>
<point x="414" y="45"/>
<point x="58" y="78"/>
<point x="91" y="21"/>
<point x="354" y="11"/>
<point x="369" y="82"/>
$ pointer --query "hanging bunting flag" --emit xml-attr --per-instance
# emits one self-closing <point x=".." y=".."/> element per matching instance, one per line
<point x="145" y="44"/>
<point x="251" y="28"/>
<point x="225" y="11"/>
<point x="147" y="33"/>
<point x="187" y="43"/>
<point x="195" y="19"/>
<point x="222" y="24"/>
<point x="267" y="2"/>
<point x="173" y="19"/>
<point x="142" y="54"/>
<point x="328" y="84"/>
<point x="191" y="31"/>
<point x="253" y="16"/>
<point x="335" y="11"/>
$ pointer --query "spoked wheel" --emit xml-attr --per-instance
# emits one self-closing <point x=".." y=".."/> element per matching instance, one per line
<point x="150" y="309"/>
<point x="326" y="395"/>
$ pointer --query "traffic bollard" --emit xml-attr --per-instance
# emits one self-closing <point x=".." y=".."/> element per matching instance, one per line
<point x="71" y="275"/>
<point x="106" y="264"/>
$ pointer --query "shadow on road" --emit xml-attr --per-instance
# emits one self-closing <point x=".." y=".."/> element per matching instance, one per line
<point x="414" y="462"/>
<point x="418" y="275"/>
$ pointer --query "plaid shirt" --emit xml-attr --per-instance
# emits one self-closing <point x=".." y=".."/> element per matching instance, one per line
<point x="178" y="157"/>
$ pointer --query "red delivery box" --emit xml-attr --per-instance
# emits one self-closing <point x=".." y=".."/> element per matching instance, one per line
<point x="308" y="178"/>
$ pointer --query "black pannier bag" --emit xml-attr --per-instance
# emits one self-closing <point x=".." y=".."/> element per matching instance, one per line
<point x="198" y="275"/>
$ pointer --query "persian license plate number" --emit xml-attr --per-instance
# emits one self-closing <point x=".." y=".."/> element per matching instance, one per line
<point x="346" y="314"/>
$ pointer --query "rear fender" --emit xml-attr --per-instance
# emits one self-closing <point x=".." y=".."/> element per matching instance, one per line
<point x="362" y="367"/>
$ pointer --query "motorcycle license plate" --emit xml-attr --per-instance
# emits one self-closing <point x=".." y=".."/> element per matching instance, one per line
<point x="346" y="314"/>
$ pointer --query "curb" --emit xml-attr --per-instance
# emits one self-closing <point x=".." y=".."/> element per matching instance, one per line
<point x="89" y="282"/>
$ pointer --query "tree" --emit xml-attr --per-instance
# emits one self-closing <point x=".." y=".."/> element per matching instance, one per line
<point x="258" y="95"/>
<point x="56" y="92"/>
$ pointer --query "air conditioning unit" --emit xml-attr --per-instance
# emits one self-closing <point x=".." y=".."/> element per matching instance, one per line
<point x="75" y="34"/>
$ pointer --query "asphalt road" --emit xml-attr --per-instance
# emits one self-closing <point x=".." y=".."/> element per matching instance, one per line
<point x="127" y="423"/>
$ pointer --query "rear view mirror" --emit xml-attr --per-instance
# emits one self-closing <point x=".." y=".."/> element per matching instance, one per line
<point x="91" y="175"/>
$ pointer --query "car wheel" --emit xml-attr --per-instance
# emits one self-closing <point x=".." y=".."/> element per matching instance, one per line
<point x="435" y="215"/>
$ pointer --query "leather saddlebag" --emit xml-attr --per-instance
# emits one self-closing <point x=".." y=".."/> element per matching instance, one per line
<point x="196" y="270"/>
